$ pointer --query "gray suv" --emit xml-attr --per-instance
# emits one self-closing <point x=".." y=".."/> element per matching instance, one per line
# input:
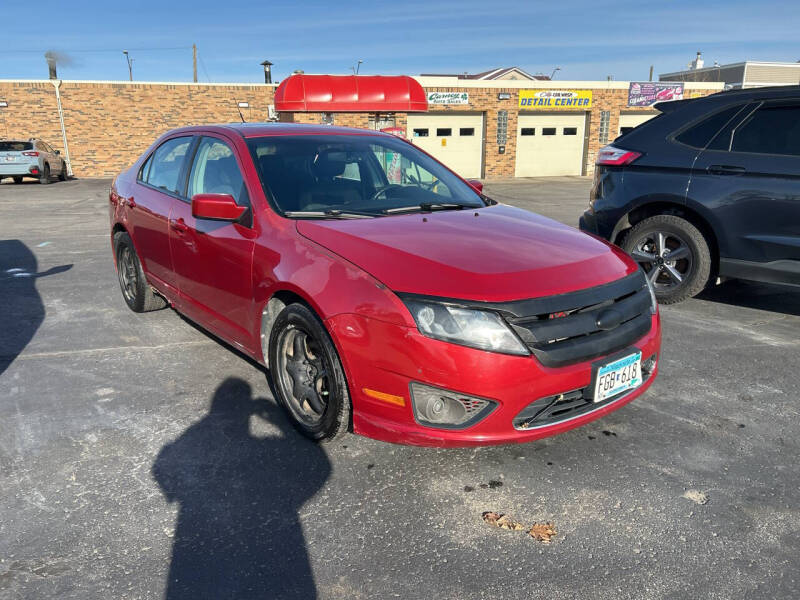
<point x="32" y="158"/>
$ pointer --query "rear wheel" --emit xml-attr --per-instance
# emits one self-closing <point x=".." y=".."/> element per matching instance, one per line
<point x="45" y="177"/>
<point x="137" y="293"/>
<point x="307" y="374"/>
<point x="673" y="254"/>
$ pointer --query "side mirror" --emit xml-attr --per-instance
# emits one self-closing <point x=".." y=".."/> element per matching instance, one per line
<point x="217" y="207"/>
<point x="476" y="185"/>
<point x="58" y="152"/>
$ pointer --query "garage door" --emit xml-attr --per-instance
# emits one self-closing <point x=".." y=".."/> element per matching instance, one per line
<point x="550" y="144"/>
<point x="628" y="122"/>
<point x="455" y="140"/>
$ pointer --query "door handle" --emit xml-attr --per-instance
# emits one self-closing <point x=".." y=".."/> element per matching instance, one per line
<point x="725" y="170"/>
<point x="179" y="225"/>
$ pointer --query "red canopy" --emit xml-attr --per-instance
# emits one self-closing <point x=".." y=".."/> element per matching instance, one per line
<point x="350" y="93"/>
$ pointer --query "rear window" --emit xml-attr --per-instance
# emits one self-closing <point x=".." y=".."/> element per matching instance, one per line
<point x="15" y="146"/>
<point x="699" y="135"/>
<point x="770" y="130"/>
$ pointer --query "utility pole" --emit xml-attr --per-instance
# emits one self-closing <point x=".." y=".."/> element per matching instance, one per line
<point x="194" y="61"/>
<point x="651" y="73"/>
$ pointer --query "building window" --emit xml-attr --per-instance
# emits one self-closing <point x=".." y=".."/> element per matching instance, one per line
<point x="528" y="131"/>
<point x="605" y="120"/>
<point x="327" y="118"/>
<point x="548" y="130"/>
<point x="379" y="121"/>
<point x="570" y="131"/>
<point x="502" y="127"/>
<point x="444" y="132"/>
<point x="466" y="131"/>
<point x="421" y="132"/>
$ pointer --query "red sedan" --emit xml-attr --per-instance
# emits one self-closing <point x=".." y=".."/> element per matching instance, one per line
<point x="385" y="294"/>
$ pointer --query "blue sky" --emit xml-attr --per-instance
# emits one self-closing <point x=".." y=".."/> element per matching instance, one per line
<point x="586" y="38"/>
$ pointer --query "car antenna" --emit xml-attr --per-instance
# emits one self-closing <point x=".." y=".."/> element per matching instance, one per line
<point x="239" y="109"/>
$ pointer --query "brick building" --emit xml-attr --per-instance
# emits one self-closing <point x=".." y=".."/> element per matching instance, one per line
<point x="481" y="128"/>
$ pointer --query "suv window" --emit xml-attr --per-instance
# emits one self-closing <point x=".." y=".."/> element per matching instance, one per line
<point x="15" y="146"/>
<point x="166" y="163"/>
<point x="215" y="171"/>
<point x="770" y="130"/>
<point x="699" y="135"/>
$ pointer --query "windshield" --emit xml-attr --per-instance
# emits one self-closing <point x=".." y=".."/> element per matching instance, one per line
<point x="15" y="146"/>
<point x="355" y="175"/>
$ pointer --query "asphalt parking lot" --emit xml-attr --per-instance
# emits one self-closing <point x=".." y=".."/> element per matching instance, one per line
<point x="137" y="454"/>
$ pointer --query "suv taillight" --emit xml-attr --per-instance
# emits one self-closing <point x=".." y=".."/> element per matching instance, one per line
<point x="616" y="157"/>
<point x="30" y="154"/>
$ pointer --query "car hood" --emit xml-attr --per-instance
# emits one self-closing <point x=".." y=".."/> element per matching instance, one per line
<point x="494" y="254"/>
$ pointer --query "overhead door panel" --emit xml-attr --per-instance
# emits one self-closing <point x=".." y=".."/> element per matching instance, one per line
<point x="455" y="140"/>
<point x="550" y="144"/>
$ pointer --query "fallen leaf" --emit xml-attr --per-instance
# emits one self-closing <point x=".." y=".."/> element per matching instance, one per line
<point x="542" y="532"/>
<point x="502" y="521"/>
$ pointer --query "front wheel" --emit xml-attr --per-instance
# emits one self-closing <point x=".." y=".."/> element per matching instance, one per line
<point x="45" y="178"/>
<point x="673" y="254"/>
<point x="62" y="176"/>
<point x="307" y="375"/>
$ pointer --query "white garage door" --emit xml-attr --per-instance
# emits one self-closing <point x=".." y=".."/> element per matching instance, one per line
<point x="550" y="144"/>
<point x="628" y="122"/>
<point x="455" y="140"/>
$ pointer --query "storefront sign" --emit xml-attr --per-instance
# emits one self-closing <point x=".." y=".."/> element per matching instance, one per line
<point x="647" y="93"/>
<point x="448" y="98"/>
<point x="555" y="99"/>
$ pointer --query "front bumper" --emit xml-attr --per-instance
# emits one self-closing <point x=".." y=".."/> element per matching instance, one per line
<point x="387" y="358"/>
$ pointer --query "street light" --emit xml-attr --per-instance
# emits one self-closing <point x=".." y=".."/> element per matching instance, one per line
<point x="129" y="60"/>
<point x="357" y="68"/>
<point x="553" y="74"/>
<point x="267" y="71"/>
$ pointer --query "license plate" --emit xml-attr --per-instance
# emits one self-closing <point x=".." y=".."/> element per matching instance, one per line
<point x="618" y="376"/>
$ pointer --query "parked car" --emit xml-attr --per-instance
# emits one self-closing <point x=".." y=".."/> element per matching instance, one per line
<point x="379" y="286"/>
<point x="31" y="158"/>
<point x="709" y="188"/>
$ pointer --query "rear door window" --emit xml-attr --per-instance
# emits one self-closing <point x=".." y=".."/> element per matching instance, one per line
<point x="700" y="134"/>
<point x="167" y="163"/>
<point x="772" y="129"/>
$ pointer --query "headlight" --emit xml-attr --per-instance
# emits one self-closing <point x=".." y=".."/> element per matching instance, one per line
<point x="475" y="328"/>
<point x="653" y="299"/>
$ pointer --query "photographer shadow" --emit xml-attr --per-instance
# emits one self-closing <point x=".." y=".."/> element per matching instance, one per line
<point x="238" y="533"/>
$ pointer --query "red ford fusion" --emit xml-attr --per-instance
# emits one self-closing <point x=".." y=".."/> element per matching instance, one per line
<point x="385" y="294"/>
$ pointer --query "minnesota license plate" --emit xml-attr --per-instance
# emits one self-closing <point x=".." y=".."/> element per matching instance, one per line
<point x="619" y="376"/>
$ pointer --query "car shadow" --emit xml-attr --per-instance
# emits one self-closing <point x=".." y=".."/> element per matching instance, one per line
<point x="750" y="294"/>
<point x="21" y="307"/>
<point x="238" y="532"/>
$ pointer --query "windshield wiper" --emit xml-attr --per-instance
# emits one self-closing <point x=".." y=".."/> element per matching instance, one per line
<point x="429" y="207"/>
<point x="327" y="214"/>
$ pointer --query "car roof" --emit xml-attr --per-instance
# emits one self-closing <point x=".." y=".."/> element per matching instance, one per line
<point x="250" y="130"/>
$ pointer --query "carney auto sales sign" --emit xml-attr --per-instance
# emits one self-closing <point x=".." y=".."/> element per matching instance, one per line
<point x="448" y="98"/>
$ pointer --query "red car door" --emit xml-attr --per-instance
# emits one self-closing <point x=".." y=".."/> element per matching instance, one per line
<point x="213" y="259"/>
<point x="158" y="184"/>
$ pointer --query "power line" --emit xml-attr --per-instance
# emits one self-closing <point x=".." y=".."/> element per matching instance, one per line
<point x="98" y="50"/>
<point x="203" y="64"/>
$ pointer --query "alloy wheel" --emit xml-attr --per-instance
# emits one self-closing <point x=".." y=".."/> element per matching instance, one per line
<point x="303" y="375"/>
<point x="128" y="275"/>
<point x="665" y="258"/>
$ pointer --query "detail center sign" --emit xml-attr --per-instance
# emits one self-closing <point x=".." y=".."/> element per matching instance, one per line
<point x="555" y="99"/>
<point x="448" y="98"/>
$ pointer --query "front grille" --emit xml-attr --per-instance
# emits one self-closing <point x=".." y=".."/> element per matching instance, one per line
<point x="570" y="328"/>
<point x="560" y="407"/>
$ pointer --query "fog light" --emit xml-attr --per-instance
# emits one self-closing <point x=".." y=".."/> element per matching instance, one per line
<point x="435" y="407"/>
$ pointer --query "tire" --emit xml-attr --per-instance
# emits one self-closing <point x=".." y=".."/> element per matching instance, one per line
<point x="315" y="377"/>
<point x="45" y="177"/>
<point x="135" y="290"/>
<point x="17" y="179"/>
<point x="62" y="176"/>
<point x="650" y="243"/>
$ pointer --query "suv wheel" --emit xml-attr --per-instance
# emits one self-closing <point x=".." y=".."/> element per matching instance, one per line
<point x="307" y="375"/>
<point x="62" y="176"/>
<point x="674" y="255"/>
<point x="45" y="177"/>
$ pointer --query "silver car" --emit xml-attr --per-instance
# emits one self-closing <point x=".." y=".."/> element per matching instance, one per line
<point x="32" y="158"/>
